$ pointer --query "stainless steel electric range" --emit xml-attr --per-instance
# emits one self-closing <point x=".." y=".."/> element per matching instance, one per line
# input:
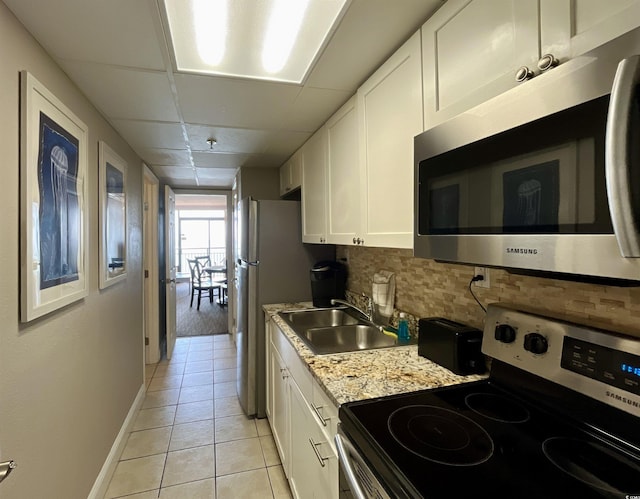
<point x="559" y="416"/>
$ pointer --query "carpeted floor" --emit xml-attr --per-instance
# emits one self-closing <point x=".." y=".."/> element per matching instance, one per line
<point x="210" y="319"/>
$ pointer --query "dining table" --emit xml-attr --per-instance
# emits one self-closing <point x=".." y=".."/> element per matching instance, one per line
<point x="218" y="274"/>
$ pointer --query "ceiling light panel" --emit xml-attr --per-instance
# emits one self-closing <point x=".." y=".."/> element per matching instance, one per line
<point x="263" y="39"/>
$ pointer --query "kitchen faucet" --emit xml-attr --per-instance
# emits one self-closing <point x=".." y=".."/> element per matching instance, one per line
<point x="367" y="315"/>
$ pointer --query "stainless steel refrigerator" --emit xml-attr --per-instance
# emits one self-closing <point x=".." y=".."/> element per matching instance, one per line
<point x="272" y="267"/>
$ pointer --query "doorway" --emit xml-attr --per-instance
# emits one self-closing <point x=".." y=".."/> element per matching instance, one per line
<point x="202" y="232"/>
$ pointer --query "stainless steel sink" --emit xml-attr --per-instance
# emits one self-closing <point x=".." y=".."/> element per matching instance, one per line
<point x="324" y="340"/>
<point x="335" y="330"/>
<point x="324" y="317"/>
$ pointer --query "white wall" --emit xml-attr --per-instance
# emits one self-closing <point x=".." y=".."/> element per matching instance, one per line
<point x="67" y="380"/>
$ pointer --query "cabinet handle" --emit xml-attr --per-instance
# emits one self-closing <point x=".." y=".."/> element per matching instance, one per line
<point x="321" y="459"/>
<point x="317" y="411"/>
<point x="7" y="467"/>
<point x="524" y="74"/>
<point x="547" y="61"/>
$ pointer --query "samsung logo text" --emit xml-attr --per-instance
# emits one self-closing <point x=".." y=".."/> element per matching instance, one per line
<point x="522" y="251"/>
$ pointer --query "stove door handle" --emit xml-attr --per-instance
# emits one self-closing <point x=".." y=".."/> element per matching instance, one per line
<point x="343" y="455"/>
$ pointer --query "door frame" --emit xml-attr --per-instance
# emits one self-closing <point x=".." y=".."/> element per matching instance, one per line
<point x="228" y="219"/>
<point x="170" y="270"/>
<point x="151" y="276"/>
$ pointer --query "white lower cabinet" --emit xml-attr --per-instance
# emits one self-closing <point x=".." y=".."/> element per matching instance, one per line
<point x="279" y="414"/>
<point x="313" y="469"/>
<point x="303" y="422"/>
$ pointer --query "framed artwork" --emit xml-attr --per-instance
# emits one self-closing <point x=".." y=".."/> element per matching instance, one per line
<point x="53" y="202"/>
<point x="113" y="217"/>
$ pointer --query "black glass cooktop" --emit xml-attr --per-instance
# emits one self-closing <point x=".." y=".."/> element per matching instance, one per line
<point x="476" y="440"/>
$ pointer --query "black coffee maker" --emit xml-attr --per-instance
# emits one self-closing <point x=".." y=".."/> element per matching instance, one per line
<point x="328" y="281"/>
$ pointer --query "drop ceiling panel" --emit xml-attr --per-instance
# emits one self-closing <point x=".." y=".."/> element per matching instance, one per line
<point x="174" y="172"/>
<point x="144" y="135"/>
<point x="232" y="102"/>
<point x="165" y="157"/>
<point x="286" y="143"/>
<point x="119" y="32"/>
<point x="216" y="177"/>
<point x="216" y="173"/>
<point x="266" y="160"/>
<point x="123" y="93"/>
<point x="369" y="33"/>
<point x="228" y="139"/>
<point x="219" y="160"/>
<point x="313" y="107"/>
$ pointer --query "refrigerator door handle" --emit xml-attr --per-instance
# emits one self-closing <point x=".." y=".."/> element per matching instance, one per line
<point x="242" y="261"/>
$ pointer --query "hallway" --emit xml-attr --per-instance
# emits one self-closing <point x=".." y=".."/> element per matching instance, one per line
<point x="191" y="440"/>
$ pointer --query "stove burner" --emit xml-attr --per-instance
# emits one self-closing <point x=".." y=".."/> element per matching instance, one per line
<point x="440" y="435"/>
<point x="497" y="407"/>
<point x="597" y="466"/>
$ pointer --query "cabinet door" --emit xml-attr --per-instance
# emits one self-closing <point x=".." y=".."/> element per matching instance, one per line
<point x="343" y="176"/>
<point x="390" y="115"/>
<point x="314" y="472"/>
<point x="569" y="28"/>
<point x="268" y="368"/>
<point x="472" y="50"/>
<point x="295" y="171"/>
<point x="285" y="178"/>
<point x="314" y="157"/>
<point x="279" y="419"/>
<point x="291" y="174"/>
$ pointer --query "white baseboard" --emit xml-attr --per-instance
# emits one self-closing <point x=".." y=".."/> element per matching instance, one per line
<point x="101" y="484"/>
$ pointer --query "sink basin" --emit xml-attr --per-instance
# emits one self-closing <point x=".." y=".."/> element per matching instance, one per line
<point x="324" y="340"/>
<point x="327" y="317"/>
<point x="335" y="330"/>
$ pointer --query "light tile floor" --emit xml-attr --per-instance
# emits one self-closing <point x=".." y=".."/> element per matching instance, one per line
<point x="191" y="440"/>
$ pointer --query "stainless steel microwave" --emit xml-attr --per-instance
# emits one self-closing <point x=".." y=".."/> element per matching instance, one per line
<point x="545" y="177"/>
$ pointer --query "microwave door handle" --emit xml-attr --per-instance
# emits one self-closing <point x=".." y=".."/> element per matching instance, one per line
<point x="349" y="473"/>
<point x="619" y="165"/>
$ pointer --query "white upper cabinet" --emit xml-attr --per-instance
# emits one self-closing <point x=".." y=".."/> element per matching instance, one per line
<point x="291" y="174"/>
<point x="343" y="176"/>
<point x="570" y="28"/>
<point x="390" y="115"/>
<point x="314" y="164"/>
<point x="474" y="50"/>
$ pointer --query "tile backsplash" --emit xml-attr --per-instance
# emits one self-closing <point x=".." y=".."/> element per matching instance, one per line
<point x="426" y="288"/>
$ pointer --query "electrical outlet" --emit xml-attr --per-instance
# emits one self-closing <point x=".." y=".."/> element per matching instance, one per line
<point x="484" y="272"/>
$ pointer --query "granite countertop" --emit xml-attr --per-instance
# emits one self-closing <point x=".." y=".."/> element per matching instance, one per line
<point x="367" y="374"/>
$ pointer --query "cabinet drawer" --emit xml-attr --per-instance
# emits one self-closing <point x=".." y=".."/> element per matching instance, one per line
<point x="294" y="364"/>
<point x="325" y="413"/>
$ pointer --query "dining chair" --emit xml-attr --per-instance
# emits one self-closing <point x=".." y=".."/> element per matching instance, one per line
<point x="201" y="282"/>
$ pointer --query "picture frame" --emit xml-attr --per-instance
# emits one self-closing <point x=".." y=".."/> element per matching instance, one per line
<point x="113" y="216"/>
<point x="53" y="202"/>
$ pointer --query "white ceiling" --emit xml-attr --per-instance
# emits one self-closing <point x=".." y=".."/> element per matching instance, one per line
<point x="116" y="51"/>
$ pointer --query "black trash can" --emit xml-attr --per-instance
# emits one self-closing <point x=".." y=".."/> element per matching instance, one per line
<point x="328" y="281"/>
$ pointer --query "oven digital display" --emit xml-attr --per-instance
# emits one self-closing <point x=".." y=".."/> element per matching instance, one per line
<point x="610" y="366"/>
<point x="626" y="368"/>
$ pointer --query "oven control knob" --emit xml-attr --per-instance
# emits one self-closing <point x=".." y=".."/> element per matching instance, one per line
<point x="535" y="343"/>
<point x="505" y="333"/>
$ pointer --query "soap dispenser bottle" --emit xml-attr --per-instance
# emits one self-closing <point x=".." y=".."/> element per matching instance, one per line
<point x="403" y="329"/>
